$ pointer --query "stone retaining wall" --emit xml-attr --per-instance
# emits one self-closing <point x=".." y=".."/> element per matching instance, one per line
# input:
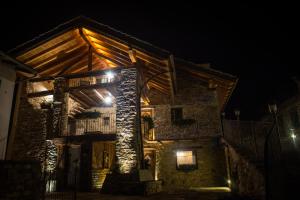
<point x="247" y="178"/>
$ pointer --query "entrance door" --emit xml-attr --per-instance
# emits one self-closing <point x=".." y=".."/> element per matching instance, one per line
<point x="73" y="173"/>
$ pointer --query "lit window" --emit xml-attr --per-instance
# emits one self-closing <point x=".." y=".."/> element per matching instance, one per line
<point x="186" y="160"/>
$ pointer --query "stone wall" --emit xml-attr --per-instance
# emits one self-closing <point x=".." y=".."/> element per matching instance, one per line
<point x="210" y="159"/>
<point x="198" y="103"/>
<point x="31" y="130"/>
<point x="246" y="177"/>
<point x="20" y="180"/>
<point x="126" y="138"/>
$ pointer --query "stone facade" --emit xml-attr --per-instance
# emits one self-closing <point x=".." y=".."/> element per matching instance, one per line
<point x="30" y="139"/>
<point x="210" y="161"/>
<point x="200" y="106"/>
<point x="126" y="138"/>
<point x="247" y="178"/>
<point x="198" y="103"/>
<point x="60" y="107"/>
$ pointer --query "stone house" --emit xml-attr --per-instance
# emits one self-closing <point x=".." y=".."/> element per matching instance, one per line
<point x="117" y="113"/>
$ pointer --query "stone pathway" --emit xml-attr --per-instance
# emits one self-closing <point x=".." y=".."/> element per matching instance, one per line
<point x="190" y="195"/>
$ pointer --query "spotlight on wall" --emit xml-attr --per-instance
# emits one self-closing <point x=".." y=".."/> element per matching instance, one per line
<point x="293" y="135"/>
<point x="108" y="100"/>
<point x="229" y="182"/>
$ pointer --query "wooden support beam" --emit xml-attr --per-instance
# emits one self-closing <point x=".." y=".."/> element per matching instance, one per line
<point x="79" y="75"/>
<point x="132" y="55"/>
<point x="58" y="61"/>
<point x="125" y="47"/>
<point x="72" y="89"/>
<point x="172" y="76"/>
<point x="84" y="37"/>
<point x="85" y="105"/>
<point x="90" y="59"/>
<point x="51" y="49"/>
<point x="71" y="64"/>
<point x="89" y="98"/>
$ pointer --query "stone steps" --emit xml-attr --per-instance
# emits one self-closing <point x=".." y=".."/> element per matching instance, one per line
<point x="98" y="177"/>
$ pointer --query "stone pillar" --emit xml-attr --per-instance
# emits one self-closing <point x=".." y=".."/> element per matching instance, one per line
<point x="60" y="107"/>
<point x="125" y="178"/>
<point x="127" y="151"/>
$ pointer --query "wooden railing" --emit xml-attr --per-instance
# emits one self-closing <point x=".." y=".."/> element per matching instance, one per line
<point x="105" y="124"/>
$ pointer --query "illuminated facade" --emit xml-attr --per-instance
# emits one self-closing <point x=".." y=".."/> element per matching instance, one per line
<point x="112" y="110"/>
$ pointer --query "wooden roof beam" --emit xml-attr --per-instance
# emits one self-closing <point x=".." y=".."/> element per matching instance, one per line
<point x="126" y="48"/>
<point x="84" y="37"/>
<point x="88" y="98"/>
<point x="60" y="59"/>
<point x="61" y="44"/>
<point x="79" y="75"/>
<point x="85" y="105"/>
<point x="71" y="64"/>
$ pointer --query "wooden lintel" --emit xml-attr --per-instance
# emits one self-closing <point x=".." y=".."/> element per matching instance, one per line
<point x="40" y="94"/>
<point x="78" y="75"/>
<point x="71" y="89"/>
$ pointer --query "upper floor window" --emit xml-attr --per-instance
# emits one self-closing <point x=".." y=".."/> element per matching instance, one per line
<point x="176" y="114"/>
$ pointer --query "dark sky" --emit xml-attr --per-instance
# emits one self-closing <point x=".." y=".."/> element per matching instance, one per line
<point x="259" y="43"/>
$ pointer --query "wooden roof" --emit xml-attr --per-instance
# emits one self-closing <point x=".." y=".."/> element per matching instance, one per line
<point x="224" y="83"/>
<point x="82" y="45"/>
<point x="67" y="48"/>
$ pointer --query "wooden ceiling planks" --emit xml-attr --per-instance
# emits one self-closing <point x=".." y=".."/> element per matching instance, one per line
<point x="62" y="61"/>
<point x="46" y="45"/>
<point x="68" y="53"/>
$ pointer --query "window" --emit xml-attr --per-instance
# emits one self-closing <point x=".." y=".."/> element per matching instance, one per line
<point x="106" y="121"/>
<point x="176" y="114"/>
<point x="186" y="160"/>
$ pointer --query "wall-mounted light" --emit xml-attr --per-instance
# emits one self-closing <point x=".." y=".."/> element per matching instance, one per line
<point x="293" y="135"/>
<point x="229" y="182"/>
<point x="110" y="75"/>
<point x="108" y="100"/>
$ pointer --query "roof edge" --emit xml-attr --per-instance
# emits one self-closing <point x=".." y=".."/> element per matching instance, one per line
<point x="83" y="21"/>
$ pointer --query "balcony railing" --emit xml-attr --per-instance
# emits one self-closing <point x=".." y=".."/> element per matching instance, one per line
<point x="106" y="124"/>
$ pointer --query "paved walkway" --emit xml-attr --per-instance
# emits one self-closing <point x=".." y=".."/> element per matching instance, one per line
<point x="190" y="195"/>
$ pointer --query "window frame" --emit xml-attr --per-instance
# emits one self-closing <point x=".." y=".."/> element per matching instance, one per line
<point x="187" y="167"/>
<point x="175" y="119"/>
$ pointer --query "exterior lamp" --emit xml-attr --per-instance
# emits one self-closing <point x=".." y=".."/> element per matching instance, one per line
<point x="293" y="135"/>
<point x="110" y="75"/>
<point x="108" y="100"/>
<point x="229" y="182"/>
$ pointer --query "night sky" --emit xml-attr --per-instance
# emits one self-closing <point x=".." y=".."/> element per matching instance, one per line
<point x="259" y="43"/>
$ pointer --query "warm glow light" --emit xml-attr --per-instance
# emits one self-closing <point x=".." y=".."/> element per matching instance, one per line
<point x="110" y="75"/>
<point x="293" y="136"/>
<point x="108" y="100"/>
<point x="229" y="182"/>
